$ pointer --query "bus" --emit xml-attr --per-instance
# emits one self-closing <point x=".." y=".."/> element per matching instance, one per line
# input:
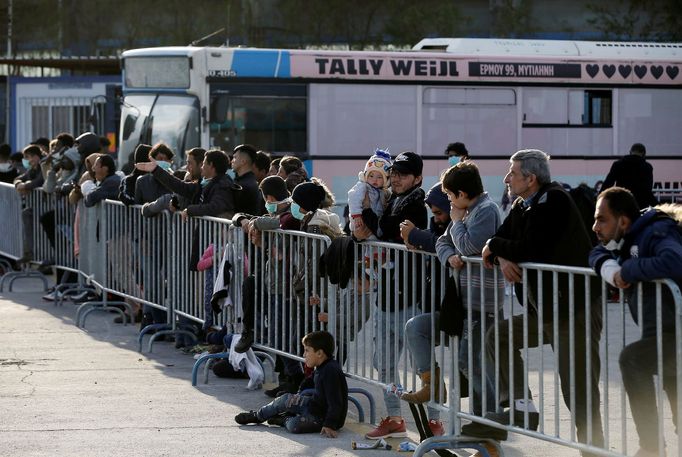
<point x="584" y="103"/>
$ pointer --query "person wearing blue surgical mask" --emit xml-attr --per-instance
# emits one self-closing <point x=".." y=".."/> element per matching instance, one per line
<point x="32" y="178"/>
<point x="456" y="153"/>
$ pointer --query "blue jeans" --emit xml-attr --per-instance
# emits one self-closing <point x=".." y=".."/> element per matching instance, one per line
<point x="388" y="329"/>
<point x="418" y="334"/>
<point x="418" y="331"/>
<point x="475" y="375"/>
<point x="300" y="420"/>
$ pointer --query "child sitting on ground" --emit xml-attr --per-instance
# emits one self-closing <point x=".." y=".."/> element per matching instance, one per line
<point x="371" y="192"/>
<point x="324" y="409"/>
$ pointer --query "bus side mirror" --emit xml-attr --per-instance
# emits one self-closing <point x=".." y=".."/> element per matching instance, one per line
<point x="219" y="107"/>
<point x="129" y="126"/>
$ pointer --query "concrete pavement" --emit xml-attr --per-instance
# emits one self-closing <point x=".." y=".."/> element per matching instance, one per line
<point x="65" y="391"/>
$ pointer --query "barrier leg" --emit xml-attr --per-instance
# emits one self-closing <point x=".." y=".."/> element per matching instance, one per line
<point x="169" y="332"/>
<point x="14" y="275"/>
<point x="102" y="306"/>
<point x="456" y="442"/>
<point x="370" y="399"/>
<point x="361" y="412"/>
<point x="147" y="329"/>
<point x="203" y="359"/>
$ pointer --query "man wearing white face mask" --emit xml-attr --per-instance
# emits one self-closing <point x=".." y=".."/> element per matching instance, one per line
<point x="148" y="189"/>
<point x="639" y="247"/>
<point x="456" y="153"/>
<point x="7" y="172"/>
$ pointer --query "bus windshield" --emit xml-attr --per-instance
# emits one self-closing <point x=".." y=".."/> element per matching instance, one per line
<point x="171" y="119"/>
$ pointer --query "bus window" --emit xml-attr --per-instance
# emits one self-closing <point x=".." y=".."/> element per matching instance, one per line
<point x="175" y="121"/>
<point x="272" y="117"/>
<point x="597" y="107"/>
<point x="555" y="107"/>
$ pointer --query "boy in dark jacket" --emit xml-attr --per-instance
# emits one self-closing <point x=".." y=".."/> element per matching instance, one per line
<point x="324" y="410"/>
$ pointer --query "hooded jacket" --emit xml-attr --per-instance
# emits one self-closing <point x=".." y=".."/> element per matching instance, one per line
<point x="652" y="249"/>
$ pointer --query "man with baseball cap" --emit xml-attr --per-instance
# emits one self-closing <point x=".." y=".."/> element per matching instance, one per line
<point x="393" y="309"/>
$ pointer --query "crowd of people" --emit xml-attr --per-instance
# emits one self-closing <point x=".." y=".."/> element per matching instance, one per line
<point x="622" y="236"/>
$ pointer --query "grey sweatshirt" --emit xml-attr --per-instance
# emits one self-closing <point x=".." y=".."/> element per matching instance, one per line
<point x="468" y="237"/>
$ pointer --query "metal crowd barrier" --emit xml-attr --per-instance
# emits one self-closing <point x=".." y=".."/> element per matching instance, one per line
<point x="574" y="344"/>
<point x="23" y="215"/>
<point x="12" y="240"/>
<point x="562" y="351"/>
<point x="95" y="235"/>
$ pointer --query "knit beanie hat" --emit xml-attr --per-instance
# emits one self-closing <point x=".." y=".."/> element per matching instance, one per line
<point x="436" y="197"/>
<point x="275" y="186"/>
<point x="380" y="161"/>
<point x="309" y="196"/>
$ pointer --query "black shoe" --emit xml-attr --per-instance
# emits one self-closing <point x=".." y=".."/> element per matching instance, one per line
<point x="279" y="420"/>
<point x="503" y="418"/>
<point x="484" y="431"/>
<point x="245" y="342"/>
<point x="275" y="392"/>
<point x="247" y="418"/>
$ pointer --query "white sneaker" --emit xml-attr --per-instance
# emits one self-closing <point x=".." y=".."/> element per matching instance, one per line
<point x="52" y="296"/>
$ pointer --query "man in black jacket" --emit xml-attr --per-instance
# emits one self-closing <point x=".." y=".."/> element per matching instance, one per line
<point x="395" y="297"/>
<point x="545" y="226"/>
<point x="213" y="196"/>
<point x="249" y="200"/>
<point x="635" y="174"/>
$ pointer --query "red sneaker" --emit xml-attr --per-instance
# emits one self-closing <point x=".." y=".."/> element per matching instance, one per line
<point x="436" y="428"/>
<point x="388" y="428"/>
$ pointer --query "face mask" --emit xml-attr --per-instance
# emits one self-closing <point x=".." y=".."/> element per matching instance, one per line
<point x="231" y="173"/>
<point x="617" y="242"/>
<point x="26" y="163"/>
<point x="296" y="211"/>
<point x="453" y="160"/>
<point x="164" y="165"/>
<point x="204" y="182"/>
<point x="271" y="207"/>
<point x="5" y="166"/>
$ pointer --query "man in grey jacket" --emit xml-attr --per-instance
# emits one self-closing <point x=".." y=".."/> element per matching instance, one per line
<point x="475" y="218"/>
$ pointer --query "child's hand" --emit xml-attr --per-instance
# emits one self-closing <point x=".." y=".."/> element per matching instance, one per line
<point x="314" y="300"/>
<point x="323" y="317"/>
<point x="329" y="432"/>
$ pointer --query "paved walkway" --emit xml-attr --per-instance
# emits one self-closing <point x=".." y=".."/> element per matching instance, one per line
<point x="67" y="391"/>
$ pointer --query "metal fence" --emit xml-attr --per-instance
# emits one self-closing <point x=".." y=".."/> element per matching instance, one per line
<point x="555" y="339"/>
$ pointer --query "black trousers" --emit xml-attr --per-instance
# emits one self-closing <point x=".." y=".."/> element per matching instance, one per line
<point x="583" y="388"/>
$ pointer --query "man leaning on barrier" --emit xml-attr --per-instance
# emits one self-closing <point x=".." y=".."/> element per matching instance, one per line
<point x="394" y="306"/>
<point x="544" y="226"/>
<point x="638" y="248"/>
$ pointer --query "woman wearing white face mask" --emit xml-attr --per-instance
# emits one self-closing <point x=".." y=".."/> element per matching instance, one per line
<point x="456" y="153"/>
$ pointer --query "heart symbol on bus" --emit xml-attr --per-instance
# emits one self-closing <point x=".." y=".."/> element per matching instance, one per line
<point x="592" y="70"/>
<point x="609" y="70"/>
<point x="640" y="71"/>
<point x="624" y="70"/>
<point x="657" y="71"/>
<point x="672" y="71"/>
